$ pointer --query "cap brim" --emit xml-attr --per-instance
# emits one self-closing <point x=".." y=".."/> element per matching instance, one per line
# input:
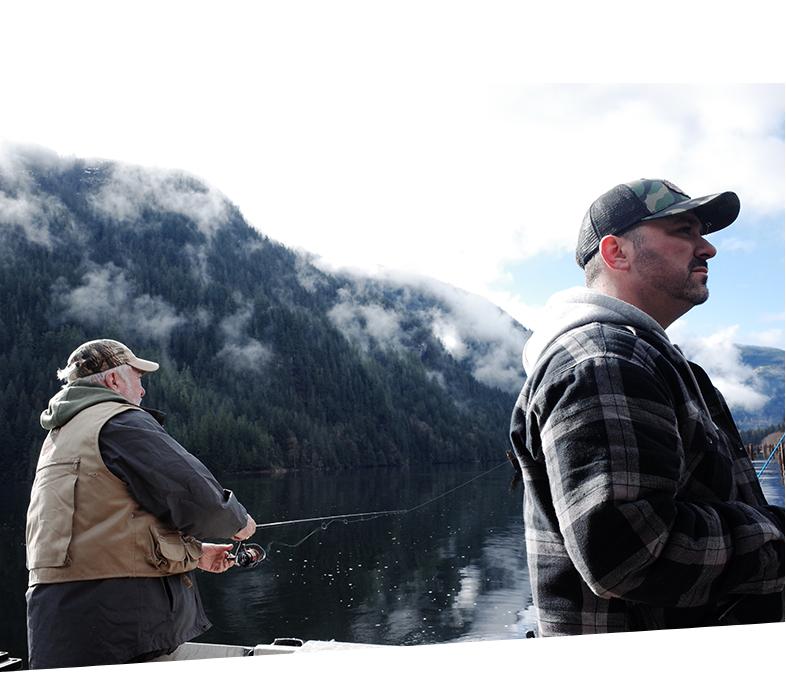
<point x="144" y="365"/>
<point x="715" y="211"/>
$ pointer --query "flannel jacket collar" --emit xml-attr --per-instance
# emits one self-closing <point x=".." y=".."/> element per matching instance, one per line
<point x="575" y="307"/>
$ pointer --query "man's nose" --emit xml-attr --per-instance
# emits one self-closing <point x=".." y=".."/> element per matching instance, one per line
<point x="706" y="250"/>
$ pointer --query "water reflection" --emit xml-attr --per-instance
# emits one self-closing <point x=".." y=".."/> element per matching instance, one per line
<point x="452" y="570"/>
<point x="771" y="481"/>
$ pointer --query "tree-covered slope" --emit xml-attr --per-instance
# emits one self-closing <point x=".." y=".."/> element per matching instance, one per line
<point x="267" y="361"/>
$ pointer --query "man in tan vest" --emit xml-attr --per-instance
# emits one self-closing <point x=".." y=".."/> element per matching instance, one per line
<point x="116" y="514"/>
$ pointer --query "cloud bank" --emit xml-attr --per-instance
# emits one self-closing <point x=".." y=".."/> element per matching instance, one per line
<point x="240" y="351"/>
<point x="385" y="310"/>
<point x="722" y="361"/>
<point x="132" y="189"/>
<point x="365" y="324"/>
<point x="106" y="295"/>
<point x="21" y="204"/>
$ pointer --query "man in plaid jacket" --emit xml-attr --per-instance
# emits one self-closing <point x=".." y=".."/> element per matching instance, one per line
<point x="642" y="509"/>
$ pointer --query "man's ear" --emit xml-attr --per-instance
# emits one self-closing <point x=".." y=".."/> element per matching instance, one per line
<point x="111" y="380"/>
<point x="615" y="252"/>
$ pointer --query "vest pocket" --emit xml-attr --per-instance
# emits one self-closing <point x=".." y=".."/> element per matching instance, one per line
<point x="174" y="553"/>
<point x="50" y="518"/>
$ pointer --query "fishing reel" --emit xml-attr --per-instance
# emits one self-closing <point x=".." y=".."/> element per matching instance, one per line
<point x="247" y="555"/>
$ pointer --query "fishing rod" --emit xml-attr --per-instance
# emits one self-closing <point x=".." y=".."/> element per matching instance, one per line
<point x="249" y="555"/>
<point x="377" y="513"/>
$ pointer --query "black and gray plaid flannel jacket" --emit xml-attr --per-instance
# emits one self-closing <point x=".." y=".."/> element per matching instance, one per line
<point x="641" y="507"/>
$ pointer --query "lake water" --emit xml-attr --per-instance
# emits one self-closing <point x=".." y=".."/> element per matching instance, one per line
<point x="451" y="570"/>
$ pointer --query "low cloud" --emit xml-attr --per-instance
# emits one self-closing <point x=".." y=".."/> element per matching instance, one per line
<point x="124" y="197"/>
<point x="437" y="377"/>
<point x="252" y="355"/>
<point x="198" y="267"/>
<point x="364" y="324"/>
<point x="106" y="296"/>
<point x="469" y="328"/>
<point x="308" y="276"/>
<point x="448" y="335"/>
<point x="722" y="361"/>
<point x="495" y="368"/>
<point x="132" y="189"/>
<point x="32" y="214"/>
<point x="155" y="317"/>
<point x="21" y="203"/>
<point x="240" y="351"/>
<point x="773" y="338"/>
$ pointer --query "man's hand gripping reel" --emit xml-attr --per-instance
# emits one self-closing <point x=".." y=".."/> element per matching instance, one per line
<point x="247" y="555"/>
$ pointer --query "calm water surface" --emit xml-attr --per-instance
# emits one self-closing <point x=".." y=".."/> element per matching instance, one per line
<point x="451" y="570"/>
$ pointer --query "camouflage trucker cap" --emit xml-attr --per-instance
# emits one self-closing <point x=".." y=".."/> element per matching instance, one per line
<point x="630" y="203"/>
<point x="100" y="355"/>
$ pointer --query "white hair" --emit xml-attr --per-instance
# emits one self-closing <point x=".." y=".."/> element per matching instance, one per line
<point x="68" y="373"/>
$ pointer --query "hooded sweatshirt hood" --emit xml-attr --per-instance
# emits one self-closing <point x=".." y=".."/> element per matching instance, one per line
<point x="74" y="398"/>
<point x="575" y="307"/>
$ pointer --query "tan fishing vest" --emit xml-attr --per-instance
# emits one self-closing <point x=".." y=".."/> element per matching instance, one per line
<point x="82" y="523"/>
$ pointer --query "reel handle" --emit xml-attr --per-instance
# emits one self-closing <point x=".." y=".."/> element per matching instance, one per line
<point x="247" y="555"/>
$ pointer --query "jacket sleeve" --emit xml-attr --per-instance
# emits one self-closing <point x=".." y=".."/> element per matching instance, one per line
<point x="617" y="466"/>
<point x="166" y="480"/>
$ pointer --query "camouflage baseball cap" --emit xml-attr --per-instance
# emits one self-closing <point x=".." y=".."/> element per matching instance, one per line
<point x="100" y="355"/>
<point x="630" y="203"/>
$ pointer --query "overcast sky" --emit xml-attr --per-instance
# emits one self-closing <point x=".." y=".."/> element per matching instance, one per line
<point x="423" y="136"/>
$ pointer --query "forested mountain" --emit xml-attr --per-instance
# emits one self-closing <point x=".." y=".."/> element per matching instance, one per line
<point x="767" y="365"/>
<point x="267" y="361"/>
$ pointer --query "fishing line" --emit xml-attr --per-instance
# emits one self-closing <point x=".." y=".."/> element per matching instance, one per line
<point x="450" y="491"/>
<point x="352" y="518"/>
<point x="332" y="520"/>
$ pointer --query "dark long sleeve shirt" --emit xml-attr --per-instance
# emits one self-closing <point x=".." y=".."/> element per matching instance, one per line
<point x="166" y="480"/>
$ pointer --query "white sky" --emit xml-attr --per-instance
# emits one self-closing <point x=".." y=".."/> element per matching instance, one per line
<point x="420" y="136"/>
